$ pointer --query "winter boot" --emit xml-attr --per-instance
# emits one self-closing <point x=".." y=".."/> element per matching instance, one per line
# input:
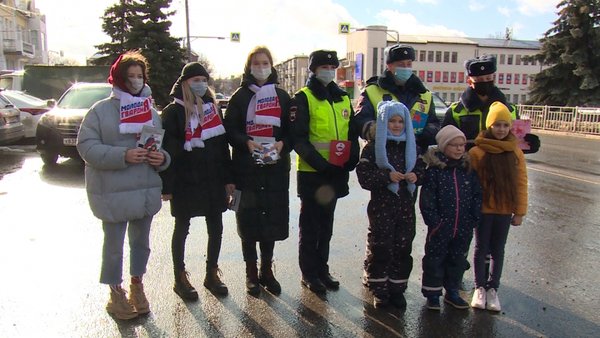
<point x="183" y="287"/>
<point x="252" y="284"/>
<point x="213" y="283"/>
<point x="138" y="298"/>
<point x="119" y="306"/>
<point x="267" y="279"/>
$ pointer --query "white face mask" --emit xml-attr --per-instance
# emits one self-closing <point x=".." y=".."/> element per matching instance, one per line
<point x="136" y="83"/>
<point x="199" y="88"/>
<point x="325" y="75"/>
<point x="259" y="73"/>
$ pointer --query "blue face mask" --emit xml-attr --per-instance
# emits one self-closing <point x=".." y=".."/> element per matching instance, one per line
<point x="325" y="76"/>
<point x="403" y="74"/>
<point x="199" y="88"/>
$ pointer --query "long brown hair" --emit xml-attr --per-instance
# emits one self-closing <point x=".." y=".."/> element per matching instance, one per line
<point x="499" y="176"/>
<point x="254" y="51"/>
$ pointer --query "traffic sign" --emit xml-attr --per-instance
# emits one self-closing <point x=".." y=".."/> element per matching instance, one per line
<point x="235" y="37"/>
<point x="344" y="28"/>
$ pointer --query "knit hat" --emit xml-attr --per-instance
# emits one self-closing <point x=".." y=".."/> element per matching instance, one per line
<point x="447" y="134"/>
<point x="483" y="65"/>
<point x="321" y="58"/>
<point x="193" y="69"/>
<point x="385" y="111"/>
<point x="399" y="53"/>
<point x="498" y="112"/>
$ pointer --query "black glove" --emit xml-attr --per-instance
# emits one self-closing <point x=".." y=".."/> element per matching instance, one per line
<point x="534" y="143"/>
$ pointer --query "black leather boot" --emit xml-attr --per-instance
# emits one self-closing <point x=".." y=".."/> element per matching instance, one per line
<point x="267" y="278"/>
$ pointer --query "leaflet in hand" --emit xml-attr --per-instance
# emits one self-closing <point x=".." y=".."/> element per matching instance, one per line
<point x="520" y="128"/>
<point x="151" y="138"/>
<point x="268" y="154"/>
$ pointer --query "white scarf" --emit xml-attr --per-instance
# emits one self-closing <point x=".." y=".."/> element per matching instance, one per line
<point x="264" y="106"/>
<point x="134" y="111"/>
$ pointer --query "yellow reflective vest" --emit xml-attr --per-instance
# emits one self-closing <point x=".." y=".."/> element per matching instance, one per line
<point x="458" y="110"/>
<point x="328" y="121"/>
<point x="418" y="113"/>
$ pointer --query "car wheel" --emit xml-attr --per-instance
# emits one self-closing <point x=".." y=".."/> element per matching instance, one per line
<point x="49" y="158"/>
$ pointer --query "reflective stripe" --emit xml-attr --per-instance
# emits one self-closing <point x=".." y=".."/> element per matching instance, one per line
<point x="429" y="288"/>
<point x="399" y="281"/>
<point x="377" y="280"/>
<point x="320" y="145"/>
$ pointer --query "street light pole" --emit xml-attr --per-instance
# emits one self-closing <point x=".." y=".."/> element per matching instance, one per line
<point x="187" y="31"/>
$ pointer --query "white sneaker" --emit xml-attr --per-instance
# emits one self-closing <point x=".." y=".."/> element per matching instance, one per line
<point x="478" y="300"/>
<point x="493" y="303"/>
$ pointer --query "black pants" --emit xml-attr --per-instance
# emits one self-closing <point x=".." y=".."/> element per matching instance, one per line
<point x="490" y="237"/>
<point x="250" y="254"/>
<point x="316" y="229"/>
<point x="214" y="224"/>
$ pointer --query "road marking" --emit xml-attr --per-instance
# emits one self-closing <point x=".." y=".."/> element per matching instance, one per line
<point x="563" y="175"/>
<point x="522" y="326"/>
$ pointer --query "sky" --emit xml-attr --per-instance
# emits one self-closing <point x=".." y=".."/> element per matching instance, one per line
<point x="290" y="28"/>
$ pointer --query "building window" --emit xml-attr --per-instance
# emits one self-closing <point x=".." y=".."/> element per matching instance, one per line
<point x="502" y="59"/>
<point x="508" y="78"/>
<point x="515" y="98"/>
<point x="453" y="77"/>
<point x="438" y="76"/>
<point x="524" y="77"/>
<point x="445" y="77"/>
<point x="429" y="76"/>
<point x="454" y="57"/>
<point x="375" y="58"/>
<point x="446" y="57"/>
<point x="518" y="60"/>
<point x="523" y="98"/>
<point x="525" y="62"/>
<point x="501" y="78"/>
<point x="533" y="62"/>
<point x="381" y="61"/>
<point x="422" y="55"/>
<point x="444" y="96"/>
<point x="517" y="78"/>
<point x="438" y="56"/>
<point x="461" y="77"/>
<point x="509" y="60"/>
<point x="452" y="97"/>
<point x="422" y="75"/>
<point x="430" y="56"/>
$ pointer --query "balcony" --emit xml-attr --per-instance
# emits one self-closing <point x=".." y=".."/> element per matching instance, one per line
<point x="18" y="47"/>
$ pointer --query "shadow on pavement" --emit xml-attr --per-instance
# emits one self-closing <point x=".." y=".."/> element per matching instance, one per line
<point x="68" y="173"/>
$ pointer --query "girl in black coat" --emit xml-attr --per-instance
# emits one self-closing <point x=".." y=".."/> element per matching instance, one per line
<point x="198" y="182"/>
<point x="257" y="120"/>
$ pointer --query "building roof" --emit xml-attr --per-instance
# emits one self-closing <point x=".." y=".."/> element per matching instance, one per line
<point x="482" y="42"/>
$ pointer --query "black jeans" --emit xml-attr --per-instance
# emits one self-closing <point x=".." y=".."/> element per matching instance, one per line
<point x="316" y="229"/>
<point x="214" y="224"/>
<point x="250" y="254"/>
<point x="490" y="237"/>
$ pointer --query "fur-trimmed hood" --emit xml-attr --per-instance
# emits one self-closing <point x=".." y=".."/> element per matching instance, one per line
<point x="435" y="158"/>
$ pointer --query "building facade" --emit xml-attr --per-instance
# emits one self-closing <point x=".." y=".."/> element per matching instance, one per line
<point x="23" y="35"/>
<point x="293" y="73"/>
<point x="440" y="61"/>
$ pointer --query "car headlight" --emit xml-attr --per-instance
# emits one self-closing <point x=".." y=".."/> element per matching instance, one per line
<point x="47" y="120"/>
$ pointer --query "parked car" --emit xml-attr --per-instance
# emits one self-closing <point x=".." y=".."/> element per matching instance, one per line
<point x="11" y="128"/>
<point x="31" y="108"/>
<point x="56" y="133"/>
<point x="440" y="106"/>
<point x="222" y="100"/>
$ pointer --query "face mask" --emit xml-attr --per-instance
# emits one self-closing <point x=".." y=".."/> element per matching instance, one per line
<point x="325" y="75"/>
<point x="136" y="83"/>
<point x="259" y="73"/>
<point x="483" y="88"/>
<point x="403" y="74"/>
<point x="199" y="88"/>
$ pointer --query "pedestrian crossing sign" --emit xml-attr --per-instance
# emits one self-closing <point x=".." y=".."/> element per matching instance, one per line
<point x="235" y="37"/>
<point x="344" y="28"/>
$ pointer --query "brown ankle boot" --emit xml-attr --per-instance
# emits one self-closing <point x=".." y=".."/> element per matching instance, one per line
<point x="213" y="283"/>
<point x="252" y="286"/>
<point x="119" y="306"/>
<point x="267" y="278"/>
<point x="183" y="287"/>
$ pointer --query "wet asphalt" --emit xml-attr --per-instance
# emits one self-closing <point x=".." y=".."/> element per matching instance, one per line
<point x="50" y="246"/>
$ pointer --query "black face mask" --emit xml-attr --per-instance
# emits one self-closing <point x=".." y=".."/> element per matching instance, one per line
<point x="483" y="88"/>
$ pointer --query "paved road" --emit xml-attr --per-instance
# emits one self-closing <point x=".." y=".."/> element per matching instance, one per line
<point x="50" y="246"/>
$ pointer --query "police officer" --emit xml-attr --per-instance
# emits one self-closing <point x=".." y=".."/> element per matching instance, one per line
<point x="470" y="112"/>
<point x="321" y="120"/>
<point x="398" y="83"/>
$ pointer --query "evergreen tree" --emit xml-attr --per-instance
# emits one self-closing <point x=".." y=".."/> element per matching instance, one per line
<point x="571" y="50"/>
<point x="116" y="24"/>
<point x="144" y="25"/>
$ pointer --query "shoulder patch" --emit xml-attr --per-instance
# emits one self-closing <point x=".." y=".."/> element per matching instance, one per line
<point x="293" y="110"/>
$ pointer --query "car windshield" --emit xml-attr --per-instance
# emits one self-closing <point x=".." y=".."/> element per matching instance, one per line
<point x="24" y="99"/>
<point x="83" y="97"/>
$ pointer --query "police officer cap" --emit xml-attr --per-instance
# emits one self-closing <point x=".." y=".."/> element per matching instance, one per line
<point x="399" y="53"/>
<point x="322" y="58"/>
<point x="483" y="65"/>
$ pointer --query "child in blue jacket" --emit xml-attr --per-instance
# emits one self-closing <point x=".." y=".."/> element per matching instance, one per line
<point x="450" y="203"/>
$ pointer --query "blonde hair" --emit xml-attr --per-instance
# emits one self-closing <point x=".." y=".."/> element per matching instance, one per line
<point x="190" y="99"/>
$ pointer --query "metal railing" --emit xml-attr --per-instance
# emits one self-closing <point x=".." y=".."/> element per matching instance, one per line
<point x="584" y="120"/>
